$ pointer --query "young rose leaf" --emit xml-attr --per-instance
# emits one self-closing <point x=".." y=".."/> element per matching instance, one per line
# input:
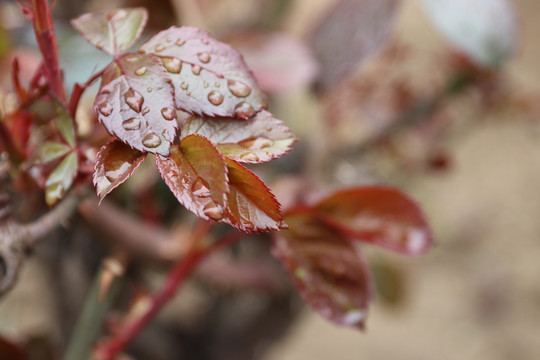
<point x="259" y="139"/>
<point x="380" y="215"/>
<point x="328" y="271"/>
<point x="61" y="179"/>
<point x="485" y="30"/>
<point x="353" y="30"/>
<point x="64" y="123"/>
<point x="209" y="77"/>
<point x="197" y="175"/>
<point x="115" y="163"/>
<point x="135" y="102"/>
<point x="51" y="151"/>
<point x="251" y="207"/>
<point x="113" y="31"/>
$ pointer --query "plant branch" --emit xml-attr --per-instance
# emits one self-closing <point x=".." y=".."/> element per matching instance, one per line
<point x="112" y="347"/>
<point x="78" y="90"/>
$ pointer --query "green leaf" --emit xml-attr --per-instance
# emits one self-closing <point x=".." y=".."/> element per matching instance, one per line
<point x="135" y="102"/>
<point x="51" y="151"/>
<point x="196" y="174"/>
<point x="209" y="77"/>
<point x="259" y="139"/>
<point x="329" y="272"/>
<point x="251" y="207"/>
<point x="61" y="179"/>
<point x="112" y="31"/>
<point x="65" y="124"/>
<point x="115" y="163"/>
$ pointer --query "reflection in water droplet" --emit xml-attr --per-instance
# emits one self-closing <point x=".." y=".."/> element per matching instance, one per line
<point x="204" y="57"/>
<point x="131" y="124"/>
<point x="184" y="85"/>
<point x="216" y="84"/>
<point x="215" y="97"/>
<point x="168" y="113"/>
<point x="146" y="110"/>
<point x="205" y="84"/>
<point x="244" y="111"/>
<point x="166" y="135"/>
<point x="99" y="45"/>
<point x="173" y="65"/>
<point x="149" y="89"/>
<point x="151" y="140"/>
<point x="238" y="88"/>
<point x="159" y="48"/>
<point x="140" y="71"/>
<point x="200" y="188"/>
<point x="196" y="69"/>
<point x="251" y="157"/>
<point x="180" y="42"/>
<point x="105" y="108"/>
<point x="213" y="211"/>
<point x="134" y="99"/>
<point x="116" y="169"/>
<point x="256" y="143"/>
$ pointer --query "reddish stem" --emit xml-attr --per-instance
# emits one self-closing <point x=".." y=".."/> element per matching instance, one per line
<point x="46" y="39"/>
<point x="78" y="90"/>
<point x="109" y="349"/>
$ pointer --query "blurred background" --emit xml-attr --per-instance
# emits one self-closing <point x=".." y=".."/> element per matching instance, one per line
<point x="394" y="92"/>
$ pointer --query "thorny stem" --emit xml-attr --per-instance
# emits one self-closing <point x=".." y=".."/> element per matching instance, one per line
<point x="109" y="349"/>
<point x="46" y="38"/>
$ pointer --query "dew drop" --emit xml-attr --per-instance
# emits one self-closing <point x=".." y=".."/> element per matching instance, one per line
<point x="200" y="188"/>
<point x="216" y="84"/>
<point x="184" y="85"/>
<point x="141" y="71"/>
<point x="149" y="89"/>
<point x="105" y="108"/>
<point x="168" y="113"/>
<point x="244" y="111"/>
<point x="250" y="157"/>
<point x="238" y="88"/>
<point x="249" y="225"/>
<point x="146" y="110"/>
<point x="180" y="42"/>
<point x="205" y="84"/>
<point x="166" y="135"/>
<point x="168" y="39"/>
<point x="131" y="124"/>
<point x="151" y="140"/>
<point x="215" y="97"/>
<point x="99" y="45"/>
<point x="204" y="57"/>
<point x="188" y="93"/>
<point x="213" y="211"/>
<point x="196" y="69"/>
<point x="205" y="41"/>
<point x="159" y="48"/>
<point x="173" y="65"/>
<point x="134" y="99"/>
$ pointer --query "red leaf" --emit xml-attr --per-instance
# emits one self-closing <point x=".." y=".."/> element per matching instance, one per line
<point x="135" y="103"/>
<point x="259" y="139"/>
<point x="251" y="207"/>
<point x="113" y="31"/>
<point x="328" y="271"/>
<point x="197" y="175"/>
<point x="209" y="77"/>
<point x="115" y="163"/>
<point x="378" y="215"/>
<point x="353" y="30"/>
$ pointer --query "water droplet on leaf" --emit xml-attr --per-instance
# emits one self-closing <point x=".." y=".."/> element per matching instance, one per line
<point x="159" y="48"/>
<point x="200" y="188"/>
<point x="168" y="113"/>
<point x="196" y="69"/>
<point x="204" y="57"/>
<point x="205" y="41"/>
<point x="238" y="88"/>
<point x="131" y="124"/>
<point x="213" y="211"/>
<point x="180" y="42"/>
<point x="134" y="99"/>
<point x="249" y="157"/>
<point x="146" y="110"/>
<point x="141" y="71"/>
<point x="149" y="89"/>
<point x="244" y="111"/>
<point x="151" y="140"/>
<point x="167" y="135"/>
<point x="105" y="108"/>
<point x="173" y="65"/>
<point x="215" y="97"/>
<point x="184" y="85"/>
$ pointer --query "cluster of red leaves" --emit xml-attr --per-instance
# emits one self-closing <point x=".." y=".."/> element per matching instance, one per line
<point x="183" y="68"/>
